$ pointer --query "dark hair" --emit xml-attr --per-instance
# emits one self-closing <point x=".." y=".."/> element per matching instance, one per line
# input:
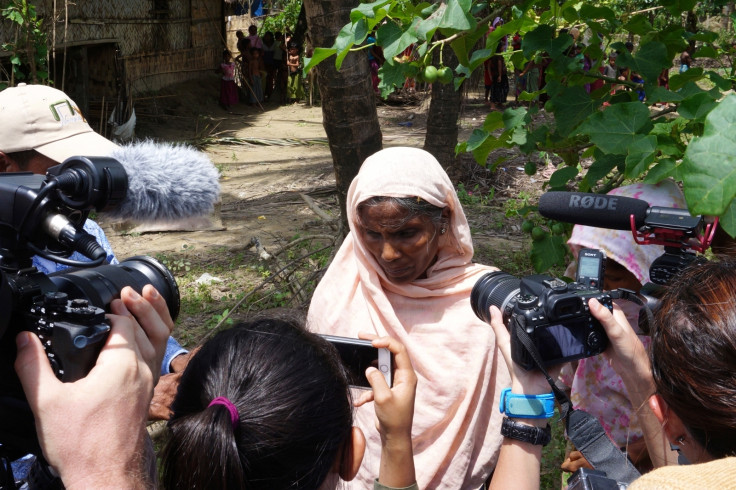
<point x="414" y="206"/>
<point x="694" y="353"/>
<point x="292" y="397"/>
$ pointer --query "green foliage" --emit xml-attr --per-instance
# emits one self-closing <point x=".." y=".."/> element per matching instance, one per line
<point x="627" y="138"/>
<point x="285" y="19"/>
<point x="469" y="198"/>
<point x="29" y="47"/>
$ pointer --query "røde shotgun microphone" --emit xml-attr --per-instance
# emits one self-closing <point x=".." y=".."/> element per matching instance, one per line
<point x="600" y="211"/>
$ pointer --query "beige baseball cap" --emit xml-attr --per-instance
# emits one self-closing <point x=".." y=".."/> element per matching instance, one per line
<point x="41" y="118"/>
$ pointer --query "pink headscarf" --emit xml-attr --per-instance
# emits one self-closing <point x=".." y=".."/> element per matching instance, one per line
<point x="456" y="432"/>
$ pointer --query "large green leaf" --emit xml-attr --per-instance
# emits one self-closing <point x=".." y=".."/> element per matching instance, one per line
<point x="591" y="12"/>
<point x="679" y="80"/>
<point x="615" y="128"/>
<point x="663" y="169"/>
<point x="369" y="10"/>
<point x="426" y="28"/>
<point x="728" y="220"/>
<point x="602" y="166"/>
<point x="648" y="61"/>
<point x="548" y="252"/>
<point x="639" y="25"/>
<point x="641" y="155"/>
<point x="319" y="54"/>
<point x="457" y="16"/>
<point x="543" y="39"/>
<point x="494" y="121"/>
<point x="697" y="107"/>
<point x="573" y="106"/>
<point x="514" y="117"/>
<point x="392" y="75"/>
<point x="709" y="167"/>
<point x="393" y="40"/>
<point x="562" y="176"/>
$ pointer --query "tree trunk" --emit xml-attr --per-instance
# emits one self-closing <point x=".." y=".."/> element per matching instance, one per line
<point x="348" y="103"/>
<point x="444" y="110"/>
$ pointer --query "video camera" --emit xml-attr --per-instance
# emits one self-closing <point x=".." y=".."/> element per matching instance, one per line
<point x="44" y="216"/>
<point x="555" y="314"/>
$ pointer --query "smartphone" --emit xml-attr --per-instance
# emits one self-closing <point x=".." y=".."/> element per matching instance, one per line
<point x="591" y="268"/>
<point x="357" y="355"/>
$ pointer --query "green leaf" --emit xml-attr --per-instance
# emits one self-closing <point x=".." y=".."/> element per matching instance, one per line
<point x="663" y="169"/>
<point x="676" y="7"/>
<point x="719" y="81"/>
<point x="392" y="75"/>
<point x="494" y="121"/>
<point x="368" y="10"/>
<point x="728" y="220"/>
<point x="709" y="166"/>
<point x="562" y="176"/>
<point x="678" y="80"/>
<point x="615" y="128"/>
<point x="590" y="12"/>
<point x="491" y="143"/>
<point x="641" y="155"/>
<point x="602" y="166"/>
<point x="661" y="94"/>
<point x="513" y="118"/>
<point x="426" y="28"/>
<point x="477" y="138"/>
<point x="548" y="252"/>
<point x="393" y="40"/>
<point x="360" y="31"/>
<point x="697" y="107"/>
<point x="457" y="16"/>
<point x="543" y="39"/>
<point x="320" y="54"/>
<point x="639" y="24"/>
<point x="649" y="60"/>
<point x="573" y="106"/>
<point x="705" y="52"/>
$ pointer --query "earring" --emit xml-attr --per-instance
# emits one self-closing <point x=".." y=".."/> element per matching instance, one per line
<point x="680" y="440"/>
<point x="442" y="231"/>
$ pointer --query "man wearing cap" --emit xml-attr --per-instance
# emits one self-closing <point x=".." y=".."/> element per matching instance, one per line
<point x="43" y="127"/>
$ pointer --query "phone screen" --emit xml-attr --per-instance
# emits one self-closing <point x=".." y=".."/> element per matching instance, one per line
<point x="358" y="355"/>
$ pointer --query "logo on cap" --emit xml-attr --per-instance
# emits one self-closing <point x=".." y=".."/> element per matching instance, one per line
<point x="64" y="112"/>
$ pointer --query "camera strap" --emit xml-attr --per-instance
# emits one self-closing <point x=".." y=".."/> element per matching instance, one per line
<point x="584" y="430"/>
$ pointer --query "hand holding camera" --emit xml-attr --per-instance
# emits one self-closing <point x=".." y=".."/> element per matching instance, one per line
<point x="102" y="408"/>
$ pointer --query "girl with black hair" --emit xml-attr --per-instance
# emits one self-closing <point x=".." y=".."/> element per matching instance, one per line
<point x="266" y="405"/>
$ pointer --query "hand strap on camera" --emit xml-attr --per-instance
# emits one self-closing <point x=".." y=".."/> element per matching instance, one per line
<point x="584" y="430"/>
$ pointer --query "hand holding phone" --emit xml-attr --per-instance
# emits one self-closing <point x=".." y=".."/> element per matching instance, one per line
<point x="394" y="413"/>
<point x="357" y="355"/>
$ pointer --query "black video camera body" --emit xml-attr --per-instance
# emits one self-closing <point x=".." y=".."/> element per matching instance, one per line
<point x="553" y="313"/>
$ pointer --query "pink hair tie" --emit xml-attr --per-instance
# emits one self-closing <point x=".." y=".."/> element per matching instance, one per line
<point x="234" y="416"/>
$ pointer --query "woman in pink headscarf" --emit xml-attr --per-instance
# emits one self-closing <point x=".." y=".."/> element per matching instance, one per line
<point x="405" y="270"/>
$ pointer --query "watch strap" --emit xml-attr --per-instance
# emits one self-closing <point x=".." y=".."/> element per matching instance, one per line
<point x="520" y="406"/>
<point x="526" y="433"/>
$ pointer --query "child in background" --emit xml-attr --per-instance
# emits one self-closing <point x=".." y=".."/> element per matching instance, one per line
<point x="596" y="388"/>
<point x="266" y="405"/>
<point x="256" y="84"/>
<point x="295" y="90"/>
<point x="228" y="89"/>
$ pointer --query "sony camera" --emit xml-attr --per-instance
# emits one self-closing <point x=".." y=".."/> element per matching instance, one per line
<point x="554" y="313"/>
<point x="44" y="216"/>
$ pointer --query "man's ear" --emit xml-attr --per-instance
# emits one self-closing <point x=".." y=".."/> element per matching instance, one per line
<point x="446" y="216"/>
<point x="671" y="423"/>
<point x="348" y="462"/>
<point x="7" y="164"/>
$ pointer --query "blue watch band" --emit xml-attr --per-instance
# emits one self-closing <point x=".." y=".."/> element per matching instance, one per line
<point x="519" y="406"/>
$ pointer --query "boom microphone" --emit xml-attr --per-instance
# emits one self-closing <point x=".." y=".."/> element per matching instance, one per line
<point x="597" y="210"/>
<point x="165" y="182"/>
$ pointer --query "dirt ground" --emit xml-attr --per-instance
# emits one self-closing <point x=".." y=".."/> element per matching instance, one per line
<point x="261" y="186"/>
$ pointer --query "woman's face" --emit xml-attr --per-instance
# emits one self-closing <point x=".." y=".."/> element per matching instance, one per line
<point x="404" y="249"/>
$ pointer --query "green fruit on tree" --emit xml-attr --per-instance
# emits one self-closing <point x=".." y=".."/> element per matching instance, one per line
<point x="430" y="74"/>
<point x="445" y="74"/>
<point x="558" y="229"/>
<point x="538" y="233"/>
<point x="527" y="226"/>
<point x="530" y="168"/>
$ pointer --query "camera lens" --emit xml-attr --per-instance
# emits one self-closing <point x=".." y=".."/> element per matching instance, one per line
<point x="100" y="285"/>
<point x="495" y="288"/>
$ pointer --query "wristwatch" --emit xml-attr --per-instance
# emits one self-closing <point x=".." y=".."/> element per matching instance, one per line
<point x="519" y="406"/>
<point x="526" y="433"/>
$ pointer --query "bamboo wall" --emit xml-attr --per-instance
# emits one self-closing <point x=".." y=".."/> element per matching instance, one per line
<point x="160" y="41"/>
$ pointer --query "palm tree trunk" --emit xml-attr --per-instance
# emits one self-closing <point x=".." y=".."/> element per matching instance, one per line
<point x="348" y="103"/>
<point x="444" y="110"/>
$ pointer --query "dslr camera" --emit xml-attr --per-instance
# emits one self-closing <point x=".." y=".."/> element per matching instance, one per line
<point x="553" y="313"/>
